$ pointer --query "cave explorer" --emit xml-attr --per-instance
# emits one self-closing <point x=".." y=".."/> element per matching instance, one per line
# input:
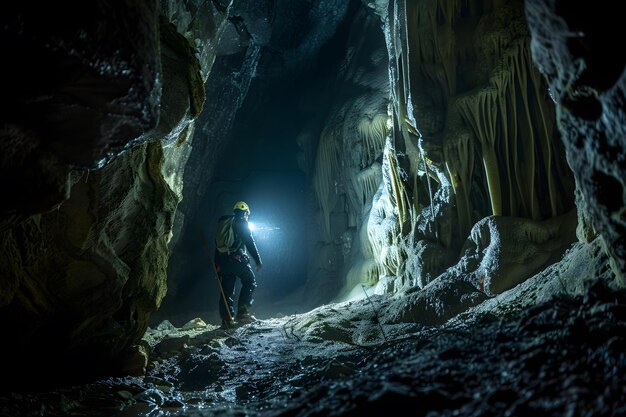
<point x="233" y="238"/>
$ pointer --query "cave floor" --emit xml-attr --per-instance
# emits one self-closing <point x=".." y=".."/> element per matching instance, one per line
<point x="566" y="357"/>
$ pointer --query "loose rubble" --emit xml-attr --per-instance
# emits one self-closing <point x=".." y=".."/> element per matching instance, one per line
<point x="563" y="357"/>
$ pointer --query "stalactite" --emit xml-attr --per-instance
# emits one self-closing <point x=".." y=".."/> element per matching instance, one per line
<point x="445" y="53"/>
<point x="404" y="81"/>
<point x="515" y="187"/>
<point x="429" y="179"/>
<point x="397" y="188"/>
<point x="422" y="16"/>
<point x="515" y="128"/>
<point x="372" y="132"/>
<point x="525" y="166"/>
<point x="459" y="160"/>
<point x="501" y="119"/>
<point x="368" y="181"/>
<point x="543" y="113"/>
<point x="479" y="111"/>
<point x="501" y="79"/>
<point x="417" y="204"/>
<point x="449" y="9"/>
<point x="326" y="169"/>
<point x="403" y="111"/>
<point x="434" y="45"/>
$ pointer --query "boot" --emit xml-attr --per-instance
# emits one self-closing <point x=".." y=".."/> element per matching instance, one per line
<point x="227" y="324"/>
<point x="245" y="318"/>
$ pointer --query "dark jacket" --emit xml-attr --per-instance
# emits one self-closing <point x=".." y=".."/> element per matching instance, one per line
<point x="244" y="239"/>
<point x="243" y="242"/>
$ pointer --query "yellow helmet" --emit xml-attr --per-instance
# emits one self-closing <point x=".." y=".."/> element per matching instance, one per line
<point x="241" y="205"/>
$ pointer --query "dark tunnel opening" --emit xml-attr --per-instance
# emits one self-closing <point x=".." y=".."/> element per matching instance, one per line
<point x="259" y="167"/>
<point x="264" y="164"/>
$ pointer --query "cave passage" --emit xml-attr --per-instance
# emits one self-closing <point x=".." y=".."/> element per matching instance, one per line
<point x="268" y="161"/>
<point x="258" y="166"/>
<point x="436" y="191"/>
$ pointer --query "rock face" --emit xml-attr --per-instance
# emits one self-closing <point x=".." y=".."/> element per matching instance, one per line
<point x="466" y="132"/>
<point x="439" y="165"/>
<point x="76" y="93"/>
<point x="96" y="111"/>
<point x="572" y="46"/>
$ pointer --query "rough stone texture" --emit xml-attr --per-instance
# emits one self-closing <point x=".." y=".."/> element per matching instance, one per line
<point x="573" y="45"/>
<point x="346" y="168"/>
<point x="552" y="346"/>
<point x="112" y="104"/>
<point x="501" y="252"/>
<point x="82" y="279"/>
<point x="101" y="70"/>
<point x="279" y="42"/>
<point x="473" y="135"/>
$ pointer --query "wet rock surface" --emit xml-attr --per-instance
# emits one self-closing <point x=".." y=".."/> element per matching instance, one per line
<point x="564" y="357"/>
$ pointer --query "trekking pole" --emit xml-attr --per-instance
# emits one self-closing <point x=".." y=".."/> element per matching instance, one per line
<point x="219" y="282"/>
<point x="375" y="313"/>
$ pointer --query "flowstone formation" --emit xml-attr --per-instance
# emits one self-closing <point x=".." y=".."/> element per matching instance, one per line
<point x="430" y="182"/>
<point x="471" y="102"/>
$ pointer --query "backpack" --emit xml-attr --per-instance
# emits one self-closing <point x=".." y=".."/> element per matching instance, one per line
<point x="224" y="235"/>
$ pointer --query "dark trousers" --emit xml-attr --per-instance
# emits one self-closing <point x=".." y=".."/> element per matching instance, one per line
<point x="228" y="279"/>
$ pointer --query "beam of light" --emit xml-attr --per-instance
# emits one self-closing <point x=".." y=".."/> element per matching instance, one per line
<point x="261" y="227"/>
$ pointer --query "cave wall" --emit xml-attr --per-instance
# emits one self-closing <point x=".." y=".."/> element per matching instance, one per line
<point x="441" y="163"/>
<point x="281" y="80"/>
<point x="105" y="119"/>
<point x="572" y="46"/>
<point x="234" y="58"/>
<point x="344" y="160"/>
<point x="455" y="127"/>
<point x="473" y="136"/>
<point x="61" y="70"/>
<point x="96" y="127"/>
